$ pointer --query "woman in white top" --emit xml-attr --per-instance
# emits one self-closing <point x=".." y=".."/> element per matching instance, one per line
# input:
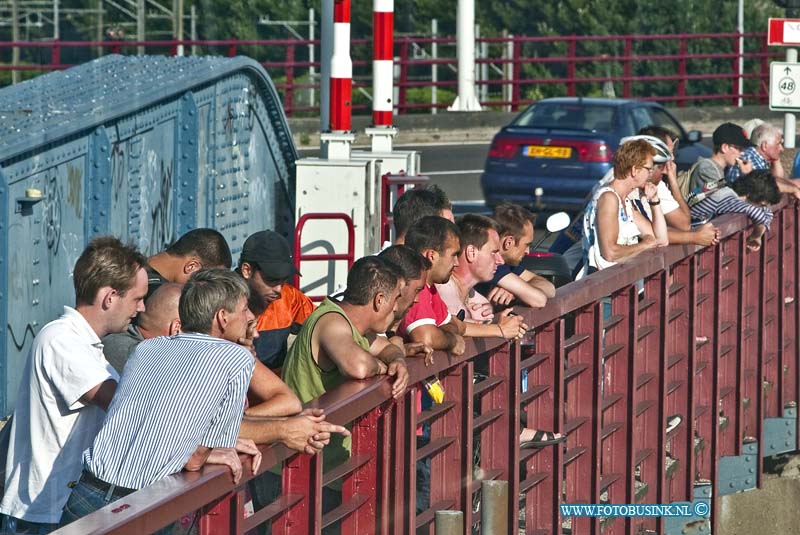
<point x="613" y="230"/>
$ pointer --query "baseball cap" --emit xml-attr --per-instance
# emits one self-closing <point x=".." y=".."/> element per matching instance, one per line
<point x="730" y="134"/>
<point x="270" y="252"/>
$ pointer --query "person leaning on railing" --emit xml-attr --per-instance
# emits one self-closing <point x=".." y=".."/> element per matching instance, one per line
<point x="67" y="385"/>
<point x="339" y="340"/>
<point x="180" y="400"/>
<point x="613" y="230"/>
<point x="511" y="280"/>
<point x="710" y="195"/>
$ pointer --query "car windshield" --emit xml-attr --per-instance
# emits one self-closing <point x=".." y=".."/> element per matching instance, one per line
<point x="569" y="116"/>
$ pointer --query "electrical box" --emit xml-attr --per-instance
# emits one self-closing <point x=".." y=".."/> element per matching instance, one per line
<point x="327" y="186"/>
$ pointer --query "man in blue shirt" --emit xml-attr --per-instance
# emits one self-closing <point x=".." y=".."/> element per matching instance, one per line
<point x="511" y="280"/>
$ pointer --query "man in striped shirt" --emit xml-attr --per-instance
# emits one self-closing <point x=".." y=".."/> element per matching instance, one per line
<point x="179" y="403"/>
<point x="710" y="196"/>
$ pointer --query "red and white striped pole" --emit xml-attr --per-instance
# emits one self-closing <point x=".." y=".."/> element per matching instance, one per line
<point x="341" y="68"/>
<point x="382" y="62"/>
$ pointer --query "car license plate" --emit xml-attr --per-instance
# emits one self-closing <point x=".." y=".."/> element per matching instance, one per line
<point x="539" y="151"/>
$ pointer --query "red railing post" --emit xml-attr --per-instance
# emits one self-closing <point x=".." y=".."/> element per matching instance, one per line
<point x="219" y="516"/>
<point x="572" y="45"/>
<point x="361" y="486"/>
<point x="56" y="54"/>
<point x="288" y="95"/>
<point x="763" y="81"/>
<point x="544" y="407"/>
<point x="516" y="70"/>
<point x="682" y="73"/>
<point x="402" y="87"/>
<point x="737" y="51"/>
<point x="232" y="50"/>
<point x="302" y="478"/>
<point x="451" y="468"/>
<point x="627" y="71"/>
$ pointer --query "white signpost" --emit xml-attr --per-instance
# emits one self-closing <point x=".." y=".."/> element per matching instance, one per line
<point x="784" y="86"/>
<point x="783" y="80"/>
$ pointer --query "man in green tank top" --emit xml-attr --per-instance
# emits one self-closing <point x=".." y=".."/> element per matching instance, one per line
<point x="338" y="341"/>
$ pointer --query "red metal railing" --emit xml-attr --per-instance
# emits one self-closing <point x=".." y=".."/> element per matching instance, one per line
<point x="708" y="328"/>
<point x="673" y="68"/>
<point x="299" y="257"/>
<point x="392" y="187"/>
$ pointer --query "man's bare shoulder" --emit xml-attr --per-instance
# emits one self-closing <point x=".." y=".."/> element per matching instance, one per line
<point x="333" y="324"/>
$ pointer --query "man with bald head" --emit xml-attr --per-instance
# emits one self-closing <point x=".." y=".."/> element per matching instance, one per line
<point x="159" y="319"/>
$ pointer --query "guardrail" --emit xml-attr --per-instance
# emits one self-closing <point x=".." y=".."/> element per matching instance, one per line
<point x="512" y="71"/>
<point x="695" y="332"/>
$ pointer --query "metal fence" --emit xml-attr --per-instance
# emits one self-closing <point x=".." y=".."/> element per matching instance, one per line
<point x="512" y="71"/>
<point x="709" y="334"/>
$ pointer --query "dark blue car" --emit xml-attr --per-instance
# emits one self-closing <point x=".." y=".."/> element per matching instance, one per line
<point x="552" y="153"/>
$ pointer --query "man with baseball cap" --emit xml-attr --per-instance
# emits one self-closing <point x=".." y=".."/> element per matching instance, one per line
<point x="266" y="264"/>
<point x="709" y="195"/>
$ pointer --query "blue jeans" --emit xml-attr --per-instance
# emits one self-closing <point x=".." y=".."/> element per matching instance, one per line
<point x="11" y="524"/>
<point x="86" y="499"/>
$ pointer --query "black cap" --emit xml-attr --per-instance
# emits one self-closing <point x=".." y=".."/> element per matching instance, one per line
<point x="730" y="134"/>
<point x="270" y="252"/>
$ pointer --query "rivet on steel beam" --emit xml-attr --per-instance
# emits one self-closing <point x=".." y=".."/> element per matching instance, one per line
<point x="185" y="184"/>
<point x="190" y="197"/>
<point x="102" y="180"/>
<point x="96" y="228"/>
<point x="96" y="197"/>
<point x="190" y="170"/>
<point x="102" y="149"/>
<point x="449" y="523"/>
<point x="103" y="213"/>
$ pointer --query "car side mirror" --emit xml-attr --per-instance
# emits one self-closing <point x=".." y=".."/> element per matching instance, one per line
<point x="694" y="136"/>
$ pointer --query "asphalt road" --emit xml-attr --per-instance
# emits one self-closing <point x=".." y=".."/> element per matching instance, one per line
<point x="456" y="168"/>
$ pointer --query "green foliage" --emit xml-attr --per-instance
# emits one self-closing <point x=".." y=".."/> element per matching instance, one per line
<point x="536" y="20"/>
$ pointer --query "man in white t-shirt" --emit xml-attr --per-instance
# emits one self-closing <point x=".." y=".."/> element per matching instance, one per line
<point x="67" y="385"/>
